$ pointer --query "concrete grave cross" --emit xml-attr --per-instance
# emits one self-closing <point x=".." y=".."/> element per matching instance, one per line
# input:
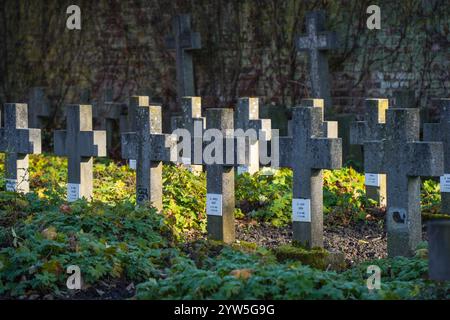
<point x="183" y="42"/>
<point x="192" y="121"/>
<point x="130" y="119"/>
<point x="317" y="42"/>
<point x="372" y="128"/>
<point x="17" y="141"/>
<point x="441" y="132"/>
<point x="108" y="114"/>
<point x="148" y="146"/>
<point x="246" y="118"/>
<point x="79" y="143"/>
<point x="220" y="202"/>
<point x="404" y="159"/>
<point x="313" y="146"/>
<point x="38" y="107"/>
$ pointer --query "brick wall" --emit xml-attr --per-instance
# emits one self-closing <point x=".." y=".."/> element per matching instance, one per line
<point x="248" y="49"/>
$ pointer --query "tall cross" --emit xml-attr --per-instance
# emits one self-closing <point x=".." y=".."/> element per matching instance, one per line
<point x="441" y="132"/>
<point x="372" y="128"/>
<point x="317" y="42"/>
<point x="404" y="159"/>
<point x="220" y="200"/>
<point x="79" y="143"/>
<point x="148" y="146"/>
<point x="313" y="146"/>
<point x="183" y="42"/>
<point x="17" y="141"/>
<point x="247" y="117"/>
<point x="38" y="107"/>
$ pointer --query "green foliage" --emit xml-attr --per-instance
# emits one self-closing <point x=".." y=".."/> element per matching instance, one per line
<point x="266" y="279"/>
<point x="104" y="241"/>
<point x="110" y="238"/>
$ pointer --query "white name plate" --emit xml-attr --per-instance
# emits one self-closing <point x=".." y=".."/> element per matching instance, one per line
<point x="372" y="179"/>
<point x="301" y="210"/>
<point x="11" y="185"/>
<point x="445" y="183"/>
<point x="214" y="204"/>
<point x="133" y="164"/>
<point x="73" y="192"/>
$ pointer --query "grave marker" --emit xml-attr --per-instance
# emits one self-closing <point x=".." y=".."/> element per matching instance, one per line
<point x="404" y="159"/>
<point x="183" y="42"/>
<point x="38" y="107"/>
<point x="247" y="117"/>
<point x="79" y="143"/>
<point x="190" y="119"/>
<point x="313" y="146"/>
<point x="109" y="116"/>
<point x="372" y="128"/>
<point x="317" y="42"/>
<point x="220" y="182"/>
<point x="441" y="132"/>
<point x="148" y="146"/>
<point x="17" y="141"/>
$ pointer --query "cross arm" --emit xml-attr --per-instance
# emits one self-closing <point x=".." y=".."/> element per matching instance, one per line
<point x="326" y="153"/>
<point x="426" y="159"/>
<point x="358" y="132"/>
<point x="161" y="146"/>
<point x="285" y="152"/>
<point x="327" y="41"/>
<point x="59" y="143"/>
<point x="93" y="143"/>
<point x="330" y="129"/>
<point x="129" y="145"/>
<point x="28" y="141"/>
<point x="374" y="156"/>
<point x="432" y="132"/>
<point x="189" y="41"/>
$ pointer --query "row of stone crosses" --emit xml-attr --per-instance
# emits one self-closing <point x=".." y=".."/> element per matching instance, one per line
<point x="394" y="159"/>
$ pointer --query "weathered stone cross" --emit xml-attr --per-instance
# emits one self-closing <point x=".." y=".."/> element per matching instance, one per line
<point x="317" y="42"/>
<point x="17" y="142"/>
<point x="312" y="147"/>
<point x="441" y="132"/>
<point x="372" y="128"/>
<point x="247" y="117"/>
<point x="80" y="144"/>
<point x="192" y="121"/>
<point x="148" y="146"/>
<point x="404" y="159"/>
<point x="38" y="107"/>
<point x="220" y="200"/>
<point x="184" y="41"/>
<point x="109" y="116"/>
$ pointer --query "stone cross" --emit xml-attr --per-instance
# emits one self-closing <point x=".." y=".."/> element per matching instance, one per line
<point x="404" y="159"/>
<point x="441" y="132"/>
<point x="192" y="121"/>
<point x="109" y="116"/>
<point x="317" y="42"/>
<point x="220" y="200"/>
<point x="17" y="141"/>
<point x="372" y="128"/>
<point x="313" y="146"/>
<point x="183" y="42"/>
<point x="79" y="143"/>
<point x="129" y="120"/>
<point x="38" y="107"/>
<point x="247" y="117"/>
<point x="148" y="146"/>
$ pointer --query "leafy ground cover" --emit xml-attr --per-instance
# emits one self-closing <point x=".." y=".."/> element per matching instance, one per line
<point x="126" y="251"/>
